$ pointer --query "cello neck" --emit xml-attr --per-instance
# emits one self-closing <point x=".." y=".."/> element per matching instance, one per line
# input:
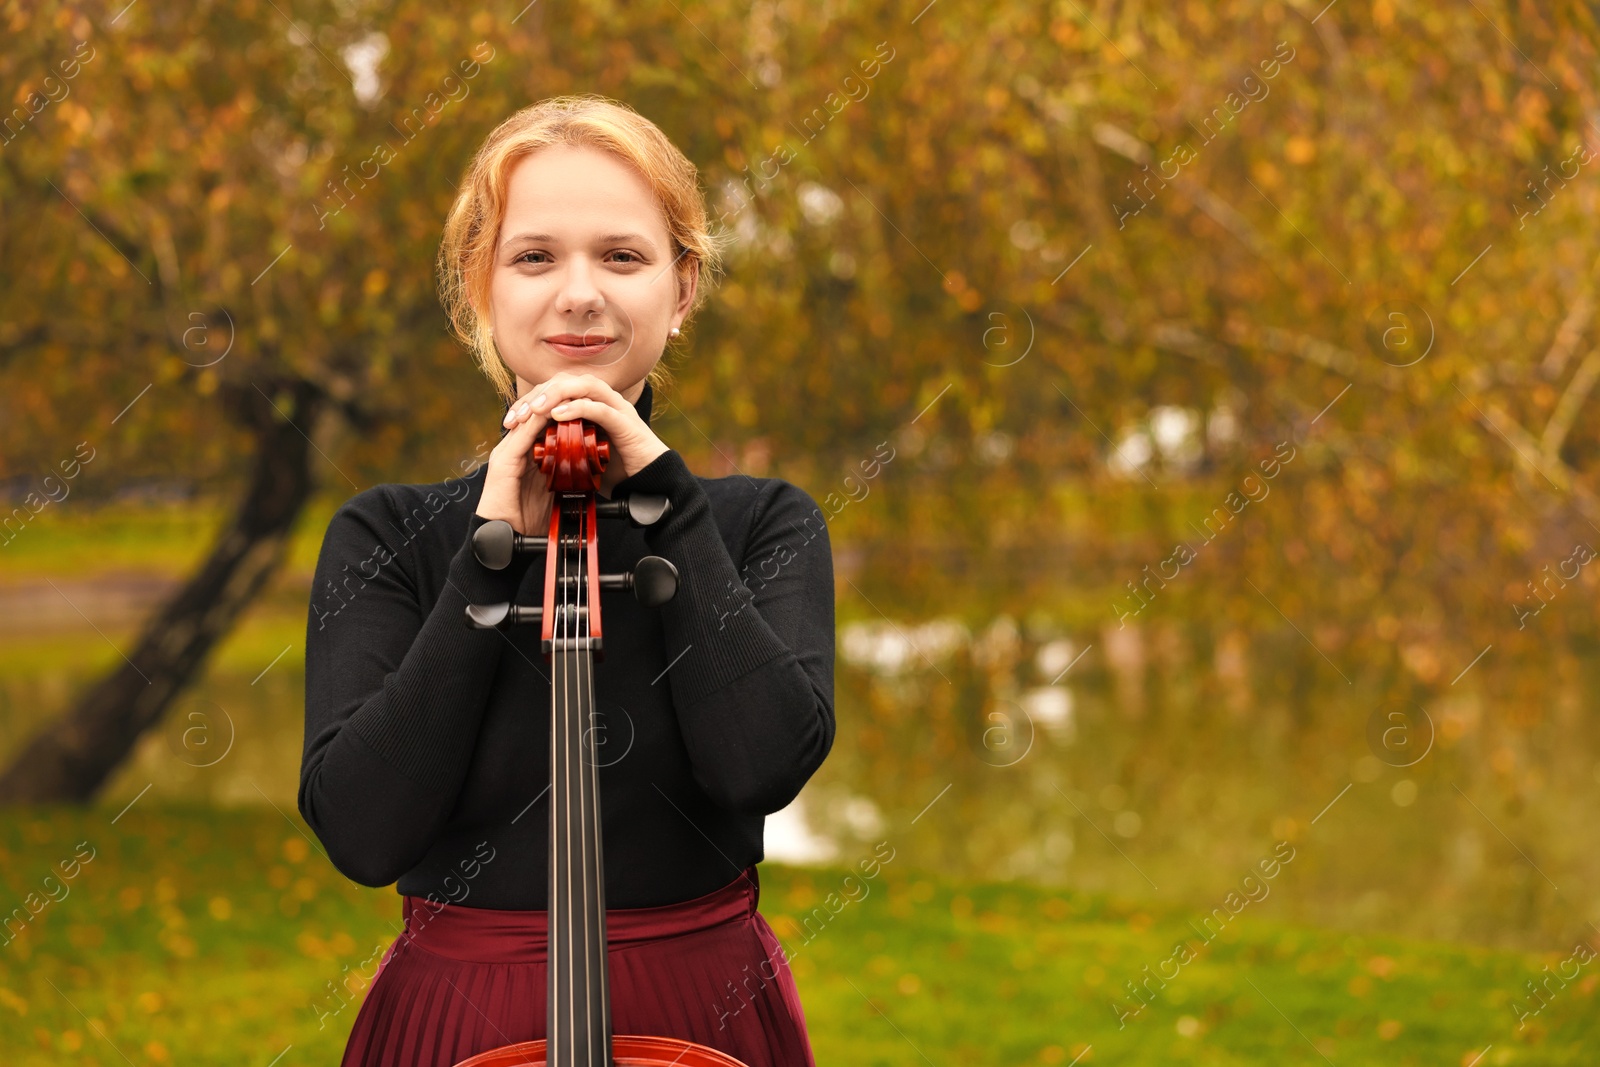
<point x="579" y="1001"/>
<point x="578" y="1032"/>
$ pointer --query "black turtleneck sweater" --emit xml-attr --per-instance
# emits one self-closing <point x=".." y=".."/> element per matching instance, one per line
<point x="427" y="744"/>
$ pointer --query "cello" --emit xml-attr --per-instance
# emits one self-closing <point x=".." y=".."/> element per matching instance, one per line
<point x="572" y="456"/>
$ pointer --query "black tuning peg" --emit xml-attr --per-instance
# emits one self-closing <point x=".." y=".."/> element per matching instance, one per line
<point x="501" y="616"/>
<point x="654" y="581"/>
<point x="641" y="509"/>
<point x="495" y="542"/>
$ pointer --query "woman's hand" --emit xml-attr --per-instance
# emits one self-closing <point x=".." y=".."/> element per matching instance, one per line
<point x="583" y="396"/>
<point x="514" y="487"/>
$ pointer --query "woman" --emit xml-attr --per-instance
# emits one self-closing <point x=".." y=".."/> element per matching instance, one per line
<point x="576" y="247"/>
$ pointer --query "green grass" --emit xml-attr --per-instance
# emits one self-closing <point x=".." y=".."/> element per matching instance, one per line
<point x="201" y="936"/>
<point x="77" y="540"/>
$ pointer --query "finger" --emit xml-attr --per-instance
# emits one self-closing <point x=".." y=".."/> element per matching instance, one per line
<point x="573" y="387"/>
<point x="520" y="409"/>
<point x="543" y="396"/>
<point x="556" y="380"/>
<point x="536" y="398"/>
<point x="597" y="388"/>
<point x="536" y="401"/>
<point x="584" y="407"/>
<point x="522" y="429"/>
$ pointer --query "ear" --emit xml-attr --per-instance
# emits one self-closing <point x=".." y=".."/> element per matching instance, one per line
<point x="689" y="282"/>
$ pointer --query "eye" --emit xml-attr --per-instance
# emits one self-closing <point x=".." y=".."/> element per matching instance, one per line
<point x="523" y="258"/>
<point x="633" y="257"/>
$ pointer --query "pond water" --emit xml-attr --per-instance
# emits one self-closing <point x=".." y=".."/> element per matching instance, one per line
<point x="1121" y="761"/>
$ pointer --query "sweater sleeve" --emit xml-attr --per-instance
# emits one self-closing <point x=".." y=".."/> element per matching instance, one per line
<point x="394" y="695"/>
<point x="750" y="643"/>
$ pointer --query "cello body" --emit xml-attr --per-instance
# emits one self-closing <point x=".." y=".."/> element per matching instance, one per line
<point x="629" y="1050"/>
<point x="572" y="456"/>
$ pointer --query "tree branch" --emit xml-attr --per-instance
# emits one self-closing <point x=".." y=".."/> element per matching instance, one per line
<point x="1324" y="354"/>
<point x="1218" y="210"/>
<point x="1567" y="337"/>
<point x="1531" y="455"/>
<point x="1577" y="391"/>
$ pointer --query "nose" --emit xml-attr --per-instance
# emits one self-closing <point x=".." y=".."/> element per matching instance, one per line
<point x="578" y="293"/>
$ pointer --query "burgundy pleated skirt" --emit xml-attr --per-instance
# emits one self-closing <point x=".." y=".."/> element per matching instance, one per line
<point x="460" y="980"/>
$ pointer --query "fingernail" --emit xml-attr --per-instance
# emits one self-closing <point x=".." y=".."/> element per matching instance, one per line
<point x="538" y="401"/>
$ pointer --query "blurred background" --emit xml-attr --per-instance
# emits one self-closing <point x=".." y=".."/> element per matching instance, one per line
<point x="1201" y="396"/>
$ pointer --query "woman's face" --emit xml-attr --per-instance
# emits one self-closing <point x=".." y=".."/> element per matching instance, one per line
<point x="585" y="278"/>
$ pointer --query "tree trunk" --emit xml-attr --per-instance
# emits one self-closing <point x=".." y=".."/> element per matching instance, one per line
<point x="71" y="758"/>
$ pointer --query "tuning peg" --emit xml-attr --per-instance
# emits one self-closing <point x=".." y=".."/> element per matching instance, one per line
<point x="641" y="509"/>
<point x="495" y="542"/>
<point x="501" y="616"/>
<point x="654" y="581"/>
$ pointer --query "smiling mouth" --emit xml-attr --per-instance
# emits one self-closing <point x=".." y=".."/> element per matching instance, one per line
<point x="573" y="347"/>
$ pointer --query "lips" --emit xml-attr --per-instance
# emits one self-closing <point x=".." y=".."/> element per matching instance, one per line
<point x="577" y="346"/>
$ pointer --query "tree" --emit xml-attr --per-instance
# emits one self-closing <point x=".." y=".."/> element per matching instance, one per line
<point x="1205" y="207"/>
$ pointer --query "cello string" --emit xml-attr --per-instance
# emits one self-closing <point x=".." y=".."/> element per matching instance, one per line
<point x="586" y="815"/>
<point x="559" y="696"/>
<point x="594" y="947"/>
<point x="597" y="989"/>
<point x="574" y="763"/>
<point x="580" y="906"/>
<point x="596" y="995"/>
<point x="569" y="627"/>
<point x="563" y="845"/>
<point x="601" y="988"/>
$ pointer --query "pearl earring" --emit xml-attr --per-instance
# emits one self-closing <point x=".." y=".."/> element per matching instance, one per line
<point x="673" y="332"/>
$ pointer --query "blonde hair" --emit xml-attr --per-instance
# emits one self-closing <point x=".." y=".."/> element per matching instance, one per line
<point x="467" y="252"/>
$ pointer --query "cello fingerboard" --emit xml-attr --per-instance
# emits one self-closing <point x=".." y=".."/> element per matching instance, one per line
<point x="579" y="999"/>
